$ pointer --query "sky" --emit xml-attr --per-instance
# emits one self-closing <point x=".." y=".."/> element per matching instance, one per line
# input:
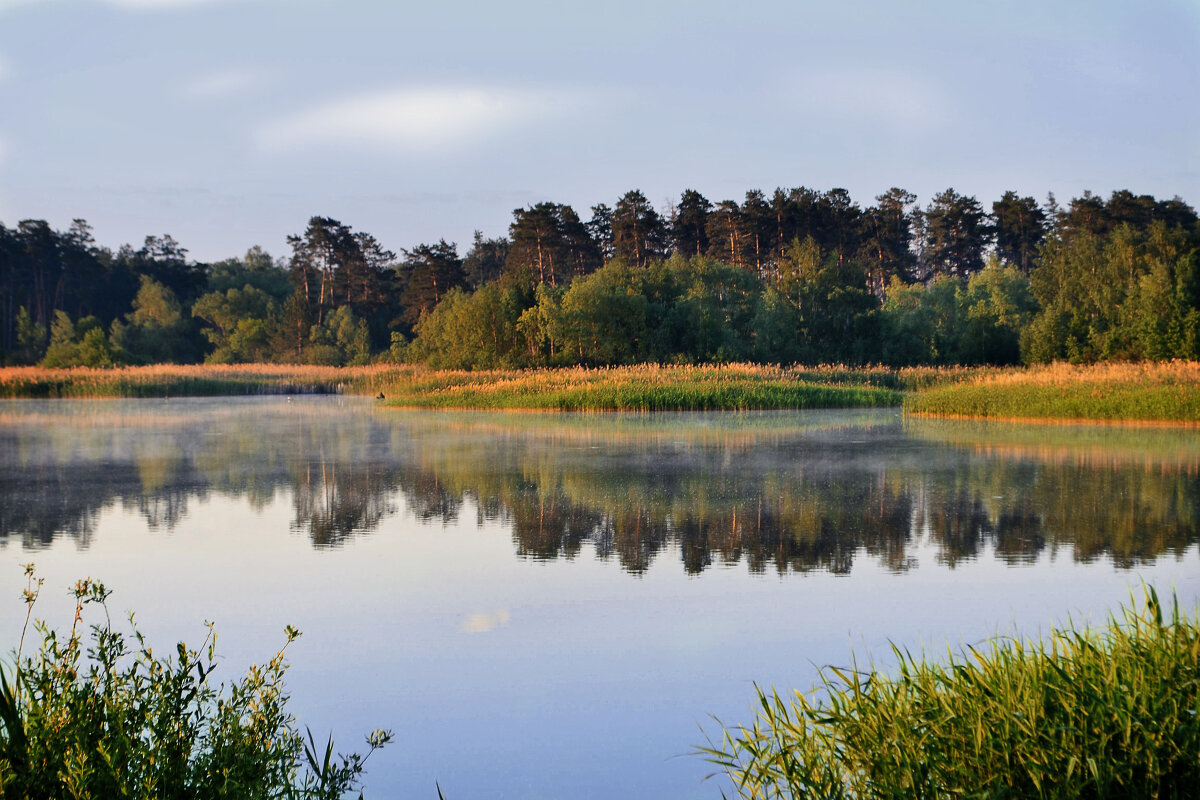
<point x="228" y="123"/>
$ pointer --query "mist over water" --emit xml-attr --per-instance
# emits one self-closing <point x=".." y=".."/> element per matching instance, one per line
<point x="549" y="605"/>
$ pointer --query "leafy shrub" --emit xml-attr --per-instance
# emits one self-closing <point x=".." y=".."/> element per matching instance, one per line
<point x="102" y="716"/>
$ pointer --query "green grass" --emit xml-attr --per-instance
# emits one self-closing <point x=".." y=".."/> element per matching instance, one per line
<point x="187" y="380"/>
<point x="1168" y="392"/>
<point x="1113" y="712"/>
<point x="640" y="388"/>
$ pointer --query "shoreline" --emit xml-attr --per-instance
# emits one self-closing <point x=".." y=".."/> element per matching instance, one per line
<point x="1163" y="395"/>
<point x="1058" y="421"/>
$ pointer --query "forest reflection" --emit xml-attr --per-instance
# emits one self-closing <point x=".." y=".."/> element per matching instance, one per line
<point x="782" y="492"/>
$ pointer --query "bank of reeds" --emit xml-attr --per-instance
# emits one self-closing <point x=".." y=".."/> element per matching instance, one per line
<point x="188" y="380"/>
<point x="1148" y="392"/>
<point x="641" y="388"/>
<point x="430" y="388"/>
<point x="1084" y="713"/>
<point x="1167" y="392"/>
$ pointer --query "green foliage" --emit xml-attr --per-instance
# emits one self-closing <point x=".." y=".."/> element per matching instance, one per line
<point x="1020" y="229"/>
<point x="31" y="338"/>
<point x="342" y="339"/>
<point x="156" y="330"/>
<point x="709" y="309"/>
<point x="956" y="231"/>
<point x="99" y="715"/>
<point x="604" y="318"/>
<point x="471" y="331"/>
<point x="919" y="323"/>
<point x="539" y="326"/>
<point x="79" y="345"/>
<point x="1083" y="713"/>
<point x="1125" y="294"/>
<point x="428" y="274"/>
<point x="241" y="320"/>
<point x="836" y="310"/>
<point x="397" y="352"/>
<point x="256" y="269"/>
<point x="957" y="321"/>
<point x="995" y="306"/>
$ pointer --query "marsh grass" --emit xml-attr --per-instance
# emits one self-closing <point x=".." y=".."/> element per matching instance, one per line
<point x="1104" y="713"/>
<point x="1167" y="392"/>
<point x="645" y="388"/>
<point x="188" y="380"/>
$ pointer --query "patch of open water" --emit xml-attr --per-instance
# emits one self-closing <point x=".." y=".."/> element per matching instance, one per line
<point x="546" y="606"/>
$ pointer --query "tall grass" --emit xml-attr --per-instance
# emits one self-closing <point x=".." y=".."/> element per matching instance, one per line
<point x="1149" y="392"/>
<point x="1108" y="713"/>
<point x="1162" y="392"/>
<point x="180" y="380"/>
<point x="642" y="388"/>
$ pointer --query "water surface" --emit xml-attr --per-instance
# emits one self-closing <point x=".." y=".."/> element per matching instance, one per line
<point x="553" y="605"/>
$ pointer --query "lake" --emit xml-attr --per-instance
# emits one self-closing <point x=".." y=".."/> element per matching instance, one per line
<point x="548" y="606"/>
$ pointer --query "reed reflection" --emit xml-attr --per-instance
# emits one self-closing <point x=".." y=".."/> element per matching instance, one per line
<point x="784" y="493"/>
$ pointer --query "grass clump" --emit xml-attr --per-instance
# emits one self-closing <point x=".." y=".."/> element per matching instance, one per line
<point x="652" y="387"/>
<point x="101" y="716"/>
<point x="1109" y="713"/>
<point x="1162" y="392"/>
<point x="188" y="380"/>
<point x="645" y="387"/>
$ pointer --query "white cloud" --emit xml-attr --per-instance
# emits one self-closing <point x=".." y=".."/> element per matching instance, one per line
<point x="226" y="83"/>
<point x="130" y="4"/>
<point x="157" y="4"/>
<point x="891" y="99"/>
<point x="7" y="4"/>
<point x="429" y="119"/>
<point x="482" y="623"/>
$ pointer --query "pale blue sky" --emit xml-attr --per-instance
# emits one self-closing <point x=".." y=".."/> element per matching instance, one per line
<point x="228" y="123"/>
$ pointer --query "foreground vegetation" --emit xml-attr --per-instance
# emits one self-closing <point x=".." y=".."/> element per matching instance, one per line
<point x="100" y="716"/>
<point x="1164" y="392"/>
<point x="1084" y="713"/>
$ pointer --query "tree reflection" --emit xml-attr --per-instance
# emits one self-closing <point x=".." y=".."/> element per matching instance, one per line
<point x="334" y="501"/>
<point x="780" y="493"/>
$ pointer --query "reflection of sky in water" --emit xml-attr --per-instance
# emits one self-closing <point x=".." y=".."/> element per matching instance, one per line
<point x="550" y="676"/>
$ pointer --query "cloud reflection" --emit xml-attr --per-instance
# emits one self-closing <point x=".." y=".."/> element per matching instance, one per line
<point x="482" y="623"/>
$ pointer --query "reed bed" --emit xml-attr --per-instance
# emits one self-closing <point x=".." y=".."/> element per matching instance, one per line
<point x="637" y="388"/>
<point x="1167" y="392"/>
<point x="195" y="380"/>
<point x="1083" y="713"/>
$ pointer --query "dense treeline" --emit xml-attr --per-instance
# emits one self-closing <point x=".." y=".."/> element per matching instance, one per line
<point x="796" y="276"/>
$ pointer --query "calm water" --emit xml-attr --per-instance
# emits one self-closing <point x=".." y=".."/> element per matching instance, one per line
<point x="553" y="606"/>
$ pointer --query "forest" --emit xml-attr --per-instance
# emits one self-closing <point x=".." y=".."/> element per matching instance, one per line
<point x="797" y="276"/>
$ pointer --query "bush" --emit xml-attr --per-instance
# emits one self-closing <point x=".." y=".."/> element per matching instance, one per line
<point x="115" y="720"/>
